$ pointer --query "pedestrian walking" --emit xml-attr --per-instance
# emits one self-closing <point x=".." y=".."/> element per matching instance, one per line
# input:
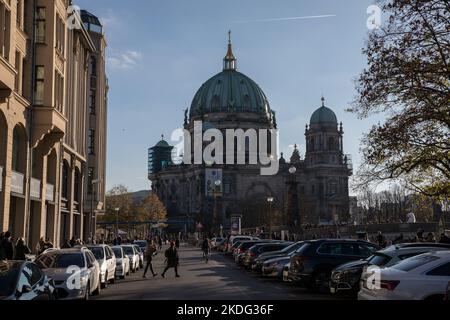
<point x="150" y="251"/>
<point x="21" y="250"/>
<point x="171" y="255"/>
<point x="7" y="246"/>
<point x="160" y="242"/>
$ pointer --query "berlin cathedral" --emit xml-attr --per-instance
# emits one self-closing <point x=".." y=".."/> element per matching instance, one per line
<point x="313" y="189"/>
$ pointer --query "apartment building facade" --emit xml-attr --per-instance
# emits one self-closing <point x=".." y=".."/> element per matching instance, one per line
<point x="45" y="72"/>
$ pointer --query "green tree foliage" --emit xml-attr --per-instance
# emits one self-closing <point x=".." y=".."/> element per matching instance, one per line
<point x="408" y="79"/>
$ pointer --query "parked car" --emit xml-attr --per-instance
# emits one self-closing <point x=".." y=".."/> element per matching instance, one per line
<point x="286" y="268"/>
<point x="258" y="249"/>
<point x="133" y="255"/>
<point x="243" y="247"/>
<point x="346" y="277"/>
<point x="423" y="277"/>
<point x="140" y="253"/>
<point x="234" y="239"/>
<point x="76" y="263"/>
<point x="258" y="262"/>
<point x="221" y="246"/>
<point x="107" y="262"/>
<point x="142" y="245"/>
<point x="122" y="262"/>
<point x="274" y="268"/>
<point x="312" y="265"/>
<point x="215" y="241"/>
<point x="23" y="280"/>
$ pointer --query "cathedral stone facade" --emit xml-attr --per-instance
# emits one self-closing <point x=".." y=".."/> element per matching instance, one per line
<point x="309" y="190"/>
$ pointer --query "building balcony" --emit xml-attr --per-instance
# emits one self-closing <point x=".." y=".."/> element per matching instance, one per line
<point x="17" y="183"/>
<point x="1" y="178"/>
<point x="35" y="188"/>
<point x="49" y="124"/>
<point x="50" y="192"/>
<point x="7" y="79"/>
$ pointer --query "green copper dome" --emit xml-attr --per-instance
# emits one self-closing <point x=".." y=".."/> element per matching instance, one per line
<point x="229" y="91"/>
<point x="324" y="115"/>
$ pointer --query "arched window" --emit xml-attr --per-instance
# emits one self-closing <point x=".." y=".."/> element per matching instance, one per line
<point x="77" y="185"/>
<point x="332" y="187"/>
<point x="65" y="181"/>
<point x="331" y="144"/>
<point x="311" y="144"/>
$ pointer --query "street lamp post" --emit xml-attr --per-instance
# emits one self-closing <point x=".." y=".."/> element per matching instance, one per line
<point x="217" y="185"/>
<point x="270" y="200"/>
<point x="92" y="216"/>
<point x="117" y="222"/>
<point x="292" y="212"/>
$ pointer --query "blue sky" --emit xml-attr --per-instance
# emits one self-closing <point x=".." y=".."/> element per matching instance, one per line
<point x="160" y="53"/>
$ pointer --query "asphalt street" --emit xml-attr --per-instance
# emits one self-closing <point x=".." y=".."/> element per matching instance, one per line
<point x="220" y="279"/>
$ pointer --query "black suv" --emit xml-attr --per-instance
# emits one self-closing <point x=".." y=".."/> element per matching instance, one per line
<point x="312" y="265"/>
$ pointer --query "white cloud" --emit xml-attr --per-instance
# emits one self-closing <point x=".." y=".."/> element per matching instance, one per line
<point x="124" y="61"/>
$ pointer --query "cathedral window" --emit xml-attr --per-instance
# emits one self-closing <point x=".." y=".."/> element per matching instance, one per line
<point x="332" y="188"/>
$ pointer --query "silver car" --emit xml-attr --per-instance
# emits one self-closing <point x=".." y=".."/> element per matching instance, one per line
<point x="107" y="262"/>
<point x="122" y="262"/>
<point x="133" y="255"/>
<point x="75" y="272"/>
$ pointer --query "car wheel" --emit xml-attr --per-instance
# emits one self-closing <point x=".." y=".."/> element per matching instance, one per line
<point x="321" y="281"/>
<point x="436" y="297"/>
<point x="113" y="279"/>
<point x="99" y="288"/>
<point x="86" y="293"/>
<point x="105" y="284"/>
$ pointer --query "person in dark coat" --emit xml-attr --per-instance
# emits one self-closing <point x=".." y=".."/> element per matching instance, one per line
<point x="150" y="251"/>
<point x="177" y="243"/>
<point x="21" y="250"/>
<point x="7" y="246"/>
<point x="172" y="259"/>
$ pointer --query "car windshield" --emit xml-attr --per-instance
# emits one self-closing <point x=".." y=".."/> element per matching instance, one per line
<point x="415" y="262"/>
<point x="60" y="260"/>
<point x="293" y="247"/>
<point x="128" y="250"/>
<point x="8" y="280"/>
<point x="141" y="244"/>
<point x="98" y="252"/>
<point x="117" y="252"/>
<point x="378" y="259"/>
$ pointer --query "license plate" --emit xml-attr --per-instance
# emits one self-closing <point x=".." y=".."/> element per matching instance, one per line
<point x="333" y="290"/>
<point x="285" y="274"/>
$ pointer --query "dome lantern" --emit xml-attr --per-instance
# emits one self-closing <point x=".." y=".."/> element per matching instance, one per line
<point x="229" y="62"/>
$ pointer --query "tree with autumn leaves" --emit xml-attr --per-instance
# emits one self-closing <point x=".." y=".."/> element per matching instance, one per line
<point x="120" y="197"/>
<point x="408" y="80"/>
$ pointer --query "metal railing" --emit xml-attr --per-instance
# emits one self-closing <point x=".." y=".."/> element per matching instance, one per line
<point x="17" y="183"/>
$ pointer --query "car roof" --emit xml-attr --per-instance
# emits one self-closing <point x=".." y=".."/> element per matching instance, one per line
<point x="320" y="241"/>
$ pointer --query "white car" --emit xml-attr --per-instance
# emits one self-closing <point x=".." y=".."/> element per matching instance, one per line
<point x="122" y="263"/>
<point x="67" y="264"/>
<point x="133" y="255"/>
<point x="107" y="262"/>
<point x="423" y="277"/>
